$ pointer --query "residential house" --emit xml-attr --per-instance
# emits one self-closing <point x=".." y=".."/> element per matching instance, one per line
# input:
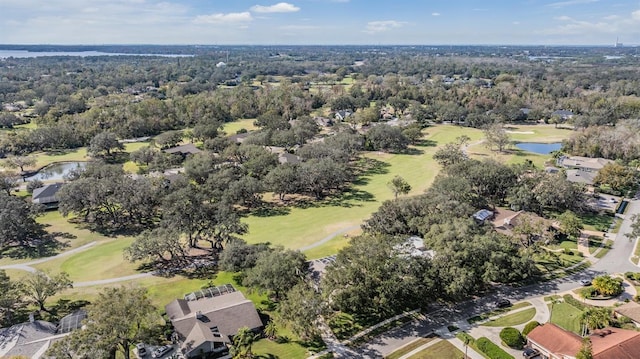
<point x="563" y="114"/>
<point x="33" y="338"/>
<point x="582" y="169"/>
<point x="554" y="342"/>
<point x="47" y="195"/>
<point x="239" y="137"/>
<point x="183" y="150"/>
<point x="504" y="220"/>
<point x="343" y="114"/>
<point x="630" y="310"/>
<point x="483" y="215"/>
<point x="206" y="321"/>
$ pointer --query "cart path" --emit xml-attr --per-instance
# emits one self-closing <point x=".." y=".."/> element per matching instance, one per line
<point x="28" y="265"/>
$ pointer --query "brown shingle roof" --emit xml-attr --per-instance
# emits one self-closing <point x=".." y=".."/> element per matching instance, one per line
<point x="615" y="343"/>
<point x="555" y="339"/>
<point x="630" y="310"/>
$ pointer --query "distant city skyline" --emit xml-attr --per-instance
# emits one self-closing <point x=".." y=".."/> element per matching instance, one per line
<point x="320" y="22"/>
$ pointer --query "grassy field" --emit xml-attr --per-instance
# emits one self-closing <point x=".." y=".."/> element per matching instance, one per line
<point x="440" y="350"/>
<point x="566" y="316"/>
<point x="409" y="347"/>
<point x="102" y="261"/>
<point x="511" y="320"/>
<point x="231" y="128"/>
<point x="498" y="311"/>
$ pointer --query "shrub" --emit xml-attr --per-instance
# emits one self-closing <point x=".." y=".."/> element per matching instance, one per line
<point x="608" y="286"/>
<point x="491" y="350"/>
<point x="568" y="251"/>
<point x="529" y="327"/>
<point x="512" y="338"/>
<point x="588" y="292"/>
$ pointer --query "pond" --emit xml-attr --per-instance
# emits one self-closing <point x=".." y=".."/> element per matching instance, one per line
<point x="541" y="148"/>
<point x="55" y="171"/>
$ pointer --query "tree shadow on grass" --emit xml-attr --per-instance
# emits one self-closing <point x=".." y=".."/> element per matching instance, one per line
<point x="271" y="210"/>
<point x="349" y="198"/>
<point x="425" y="143"/>
<point x="370" y="166"/>
<point x="46" y="246"/>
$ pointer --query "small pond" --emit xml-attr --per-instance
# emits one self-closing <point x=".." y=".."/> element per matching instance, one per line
<point x="541" y="148"/>
<point x="55" y="171"/>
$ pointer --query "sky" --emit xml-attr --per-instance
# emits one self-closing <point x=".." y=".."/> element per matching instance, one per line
<point x="320" y="22"/>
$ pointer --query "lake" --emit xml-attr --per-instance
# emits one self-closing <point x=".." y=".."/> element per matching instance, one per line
<point x="541" y="148"/>
<point x="55" y="171"/>
<point x="23" y="54"/>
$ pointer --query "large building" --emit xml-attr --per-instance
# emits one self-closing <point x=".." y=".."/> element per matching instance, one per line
<point x="206" y="321"/>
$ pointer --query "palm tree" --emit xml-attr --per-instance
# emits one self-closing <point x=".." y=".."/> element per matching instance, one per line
<point x="596" y="318"/>
<point x="243" y="341"/>
<point x="271" y="330"/>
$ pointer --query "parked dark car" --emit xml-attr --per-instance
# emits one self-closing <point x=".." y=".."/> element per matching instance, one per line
<point x="160" y="351"/>
<point x="141" y="349"/>
<point x="530" y="353"/>
<point x="503" y="303"/>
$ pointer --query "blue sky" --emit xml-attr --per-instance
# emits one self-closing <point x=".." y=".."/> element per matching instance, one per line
<point x="544" y="22"/>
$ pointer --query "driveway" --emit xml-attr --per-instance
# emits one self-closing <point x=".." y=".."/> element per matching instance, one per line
<point x="618" y="260"/>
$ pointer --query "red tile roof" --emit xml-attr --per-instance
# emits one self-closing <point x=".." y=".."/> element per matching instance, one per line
<point x="608" y="343"/>
<point x="555" y="339"/>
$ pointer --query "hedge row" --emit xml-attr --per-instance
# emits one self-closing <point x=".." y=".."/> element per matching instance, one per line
<point x="569" y="299"/>
<point x="491" y="350"/>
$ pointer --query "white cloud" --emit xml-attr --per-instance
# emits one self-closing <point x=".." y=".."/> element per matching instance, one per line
<point x="516" y="22"/>
<point x="435" y="14"/>
<point x="279" y="7"/>
<point x="570" y="3"/>
<point x="611" y="17"/>
<point x="381" y="26"/>
<point x="298" y="27"/>
<point x="232" y="17"/>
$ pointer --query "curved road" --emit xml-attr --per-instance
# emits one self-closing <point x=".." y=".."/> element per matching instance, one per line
<point x="616" y="261"/>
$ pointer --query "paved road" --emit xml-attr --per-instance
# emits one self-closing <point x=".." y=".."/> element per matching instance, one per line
<point x="616" y="261"/>
<point x="28" y="265"/>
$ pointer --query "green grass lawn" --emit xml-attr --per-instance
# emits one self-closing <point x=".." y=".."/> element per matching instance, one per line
<point x="102" y="261"/>
<point x="440" y="350"/>
<point x="514" y="319"/>
<point x="566" y="316"/>
<point x="231" y="128"/>
<point x="596" y="222"/>
<point x="498" y="311"/>
<point x="409" y="347"/>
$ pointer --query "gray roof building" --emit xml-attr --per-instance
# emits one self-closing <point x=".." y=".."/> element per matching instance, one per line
<point x="183" y="150"/>
<point x="206" y="323"/>
<point x="31" y="339"/>
<point x="47" y="195"/>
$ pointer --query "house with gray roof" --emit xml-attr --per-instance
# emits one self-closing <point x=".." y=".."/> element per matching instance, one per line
<point x="47" y="195"/>
<point x="206" y="321"/>
<point x="582" y="169"/>
<point x="183" y="150"/>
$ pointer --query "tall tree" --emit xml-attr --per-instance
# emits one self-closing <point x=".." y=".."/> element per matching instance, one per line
<point x="570" y="224"/>
<point x="243" y="343"/>
<point x="18" y="227"/>
<point x="11" y="299"/>
<point x="399" y="185"/>
<point x="118" y="318"/>
<point x="20" y="162"/>
<point x="8" y="181"/>
<point x="104" y="143"/>
<point x="277" y="271"/>
<point x="40" y="286"/>
<point x="300" y="310"/>
<point x="496" y="136"/>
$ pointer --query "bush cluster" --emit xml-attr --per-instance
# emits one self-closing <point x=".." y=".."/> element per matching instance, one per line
<point x="491" y="350"/>
<point x="512" y="338"/>
<point x="529" y="327"/>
